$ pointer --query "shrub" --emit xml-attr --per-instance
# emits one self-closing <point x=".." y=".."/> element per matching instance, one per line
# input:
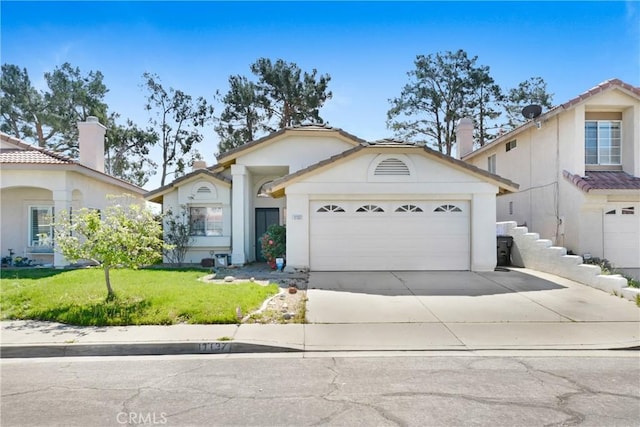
<point x="177" y="235"/>
<point x="274" y="242"/>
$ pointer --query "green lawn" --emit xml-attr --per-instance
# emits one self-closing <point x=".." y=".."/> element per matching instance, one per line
<point x="143" y="297"/>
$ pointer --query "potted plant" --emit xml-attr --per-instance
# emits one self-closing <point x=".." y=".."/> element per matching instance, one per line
<point x="274" y="244"/>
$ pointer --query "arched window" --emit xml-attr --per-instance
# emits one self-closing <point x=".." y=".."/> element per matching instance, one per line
<point x="262" y="191"/>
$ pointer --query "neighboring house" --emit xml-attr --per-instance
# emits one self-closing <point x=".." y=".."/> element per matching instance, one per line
<point x="348" y="204"/>
<point x="578" y="166"/>
<point x="36" y="183"/>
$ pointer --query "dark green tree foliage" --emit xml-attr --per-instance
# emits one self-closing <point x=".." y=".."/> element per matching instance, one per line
<point x="22" y="107"/>
<point x="288" y="95"/>
<point x="282" y="96"/>
<point x="178" y="120"/>
<point x="127" y="151"/>
<point x="483" y="104"/>
<point x="49" y="118"/>
<point x="241" y="120"/>
<point x="430" y="105"/>
<point x="71" y="98"/>
<point x="531" y="91"/>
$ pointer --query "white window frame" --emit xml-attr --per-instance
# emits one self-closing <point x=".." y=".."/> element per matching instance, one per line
<point x="491" y="163"/>
<point x="613" y="161"/>
<point x="45" y="239"/>
<point x="210" y="222"/>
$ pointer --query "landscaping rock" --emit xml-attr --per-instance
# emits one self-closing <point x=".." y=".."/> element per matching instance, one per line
<point x="229" y="279"/>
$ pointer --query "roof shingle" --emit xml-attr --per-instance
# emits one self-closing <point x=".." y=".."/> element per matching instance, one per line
<point x="603" y="180"/>
<point x="31" y="157"/>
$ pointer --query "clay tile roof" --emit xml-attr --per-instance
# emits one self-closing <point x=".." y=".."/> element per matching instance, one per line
<point x="24" y="153"/>
<point x="605" y="180"/>
<point x="31" y="157"/>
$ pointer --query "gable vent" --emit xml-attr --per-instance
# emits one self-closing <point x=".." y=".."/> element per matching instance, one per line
<point x="204" y="190"/>
<point x="392" y="167"/>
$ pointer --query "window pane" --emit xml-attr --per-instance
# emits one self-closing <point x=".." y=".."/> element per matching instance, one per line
<point x="205" y="221"/>
<point x="41" y="230"/>
<point x="602" y="142"/>
<point x="214" y="222"/>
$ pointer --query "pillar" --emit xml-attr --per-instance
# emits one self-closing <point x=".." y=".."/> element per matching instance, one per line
<point x="240" y="214"/>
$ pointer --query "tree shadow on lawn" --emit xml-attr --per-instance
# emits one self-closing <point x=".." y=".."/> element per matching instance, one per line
<point x="30" y="272"/>
<point x="113" y="312"/>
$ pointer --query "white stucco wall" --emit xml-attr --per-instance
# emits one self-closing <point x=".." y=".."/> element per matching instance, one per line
<point x="432" y="180"/>
<point x="546" y="202"/>
<point x="286" y="154"/>
<point x="186" y="194"/>
<point x="295" y="151"/>
<point x="49" y="186"/>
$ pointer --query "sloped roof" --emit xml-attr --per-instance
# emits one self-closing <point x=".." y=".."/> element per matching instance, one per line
<point x="29" y="154"/>
<point x="602" y="87"/>
<point x="156" y="195"/>
<point x="229" y="156"/>
<point x="22" y="153"/>
<point x="603" y="180"/>
<point x="506" y="185"/>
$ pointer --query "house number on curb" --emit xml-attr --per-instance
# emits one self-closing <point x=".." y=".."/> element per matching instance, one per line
<point x="213" y="347"/>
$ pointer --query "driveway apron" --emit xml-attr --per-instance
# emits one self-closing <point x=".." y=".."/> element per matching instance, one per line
<point x="457" y="297"/>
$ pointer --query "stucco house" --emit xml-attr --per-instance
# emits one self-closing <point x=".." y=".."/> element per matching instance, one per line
<point x="35" y="183"/>
<point x="348" y="204"/>
<point x="578" y="166"/>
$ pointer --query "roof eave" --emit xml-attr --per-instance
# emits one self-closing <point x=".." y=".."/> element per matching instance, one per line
<point x="228" y="158"/>
<point x="158" y="193"/>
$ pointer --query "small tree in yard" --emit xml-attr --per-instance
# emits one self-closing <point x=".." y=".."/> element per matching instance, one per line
<point x="123" y="235"/>
<point x="177" y="235"/>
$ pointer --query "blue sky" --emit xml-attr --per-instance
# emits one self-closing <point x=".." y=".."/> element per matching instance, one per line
<point x="366" y="47"/>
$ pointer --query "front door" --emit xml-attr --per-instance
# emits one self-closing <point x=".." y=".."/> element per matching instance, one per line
<point x="264" y="218"/>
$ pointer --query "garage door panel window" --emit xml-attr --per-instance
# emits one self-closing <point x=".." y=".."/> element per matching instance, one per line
<point x="628" y="211"/>
<point x="370" y="208"/>
<point x="447" y="208"/>
<point x="330" y="208"/>
<point x="409" y="208"/>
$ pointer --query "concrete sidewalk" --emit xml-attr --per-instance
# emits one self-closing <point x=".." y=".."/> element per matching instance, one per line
<point x="43" y="339"/>
<point x="499" y="312"/>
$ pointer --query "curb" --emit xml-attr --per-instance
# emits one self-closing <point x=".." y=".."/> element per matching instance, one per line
<point x="224" y="347"/>
<point x="137" y="349"/>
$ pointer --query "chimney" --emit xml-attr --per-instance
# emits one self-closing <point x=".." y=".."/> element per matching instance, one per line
<point x="199" y="164"/>
<point x="464" y="137"/>
<point x="91" y="141"/>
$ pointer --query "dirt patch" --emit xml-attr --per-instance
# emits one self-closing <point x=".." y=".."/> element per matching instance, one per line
<point x="288" y="306"/>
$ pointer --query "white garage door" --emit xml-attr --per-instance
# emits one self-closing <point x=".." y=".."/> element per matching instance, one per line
<point x="384" y="235"/>
<point x="622" y="235"/>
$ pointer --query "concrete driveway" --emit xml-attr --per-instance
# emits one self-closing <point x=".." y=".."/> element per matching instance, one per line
<point x="458" y="297"/>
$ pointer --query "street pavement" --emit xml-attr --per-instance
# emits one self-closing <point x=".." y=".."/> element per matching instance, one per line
<point x="548" y="388"/>
<point x="378" y="311"/>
